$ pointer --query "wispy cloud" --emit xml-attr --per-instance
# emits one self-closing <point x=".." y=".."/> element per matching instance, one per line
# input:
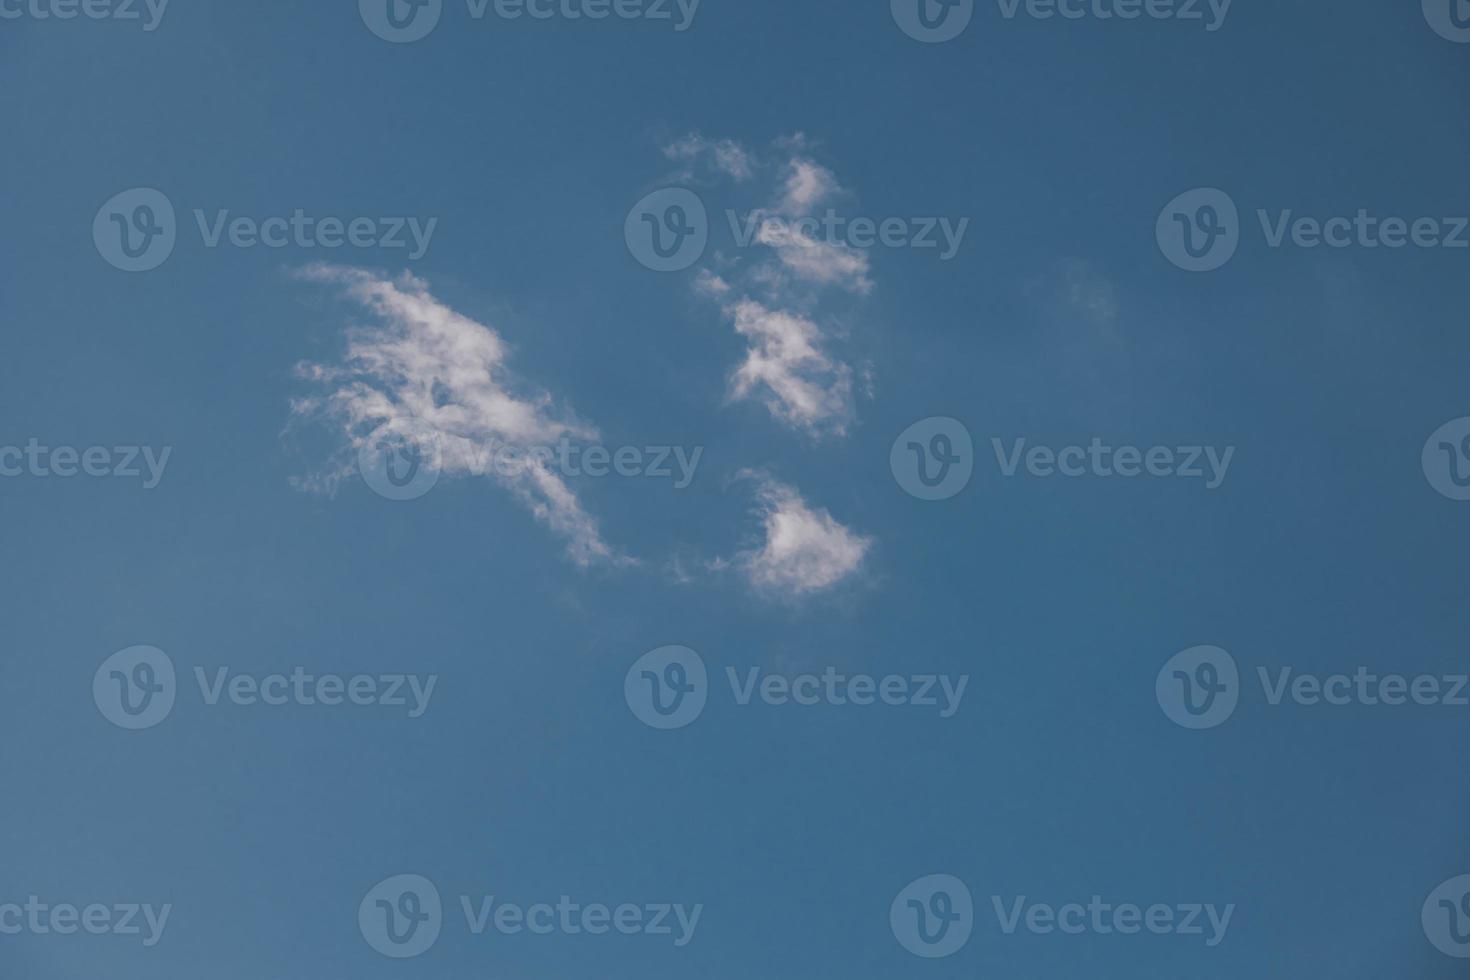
<point x="804" y="551"/>
<point x="806" y="185"/>
<point x="1073" y="289"/>
<point x="726" y="157"/>
<point x="786" y="368"/>
<point x="803" y="253"/>
<point x="791" y="366"/>
<point x="425" y="361"/>
<point x="813" y="260"/>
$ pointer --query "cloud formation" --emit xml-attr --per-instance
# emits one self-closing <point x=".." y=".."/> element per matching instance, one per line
<point x="805" y="550"/>
<point x="807" y="184"/>
<point x="790" y="366"/>
<point x="791" y="227"/>
<point x="786" y="368"/>
<point x="422" y="360"/>
<point x="727" y="157"/>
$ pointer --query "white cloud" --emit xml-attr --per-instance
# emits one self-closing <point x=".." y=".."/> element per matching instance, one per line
<point x="786" y="368"/>
<point x="425" y="361"/>
<point x="808" y="184"/>
<point x="815" y="260"/>
<point x="710" y="284"/>
<point x="726" y="156"/>
<point x="805" y="550"/>
<point x="804" y="253"/>
<point x="790" y="366"/>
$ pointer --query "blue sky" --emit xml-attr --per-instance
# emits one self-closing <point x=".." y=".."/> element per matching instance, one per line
<point x="793" y="365"/>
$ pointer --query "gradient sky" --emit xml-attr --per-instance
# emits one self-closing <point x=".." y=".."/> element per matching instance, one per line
<point x="529" y="778"/>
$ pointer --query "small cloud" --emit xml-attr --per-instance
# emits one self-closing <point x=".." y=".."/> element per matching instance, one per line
<point x="787" y="369"/>
<point x="808" y="184"/>
<point x="772" y="299"/>
<point x="422" y="360"/>
<point x="1073" y="288"/>
<point x="805" y="550"/>
<point x="727" y="157"/>
<point x="826" y="263"/>
<point x="707" y="283"/>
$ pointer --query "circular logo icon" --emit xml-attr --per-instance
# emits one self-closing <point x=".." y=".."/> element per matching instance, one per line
<point x="1199" y="230"/>
<point x="1199" y="688"/>
<point x="1449" y="18"/>
<point x="933" y="916"/>
<point x="667" y="688"/>
<point x="401" y="917"/>
<point x="401" y="21"/>
<point x="933" y="459"/>
<point x="135" y="231"/>
<point x="933" y="21"/>
<point x="668" y="230"/>
<point x="1446" y="459"/>
<point x="135" y="688"/>
<point x="402" y="459"/>
<point x="1446" y="917"/>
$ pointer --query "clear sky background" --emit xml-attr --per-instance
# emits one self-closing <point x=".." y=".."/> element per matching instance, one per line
<point x="529" y="778"/>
